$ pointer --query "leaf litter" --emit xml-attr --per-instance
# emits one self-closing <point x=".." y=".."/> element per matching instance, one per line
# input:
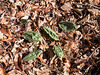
<point x="72" y="24"/>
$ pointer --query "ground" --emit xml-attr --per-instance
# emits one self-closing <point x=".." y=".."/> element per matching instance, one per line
<point x="78" y="49"/>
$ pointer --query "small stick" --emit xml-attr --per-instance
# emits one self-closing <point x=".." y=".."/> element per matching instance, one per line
<point x="89" y="5"/>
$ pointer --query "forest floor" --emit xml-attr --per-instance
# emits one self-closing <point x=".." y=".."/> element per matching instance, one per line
<point x="79" y="49"/>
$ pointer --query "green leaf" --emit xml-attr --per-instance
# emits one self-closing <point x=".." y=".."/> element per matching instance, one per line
<point x="58" y="51"/>
<point x="32" y="55"/>
<point x="32" y="36"/>
<point x="67" y="26"/>
<point x="51" y="33"/>
<point x="24" y="21"/>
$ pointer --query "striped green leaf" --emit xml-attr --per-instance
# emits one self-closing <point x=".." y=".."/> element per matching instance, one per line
<point x="51" y="33"/>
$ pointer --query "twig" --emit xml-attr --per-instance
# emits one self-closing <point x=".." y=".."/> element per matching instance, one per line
<point x="93" y="52"/>
<point x="86" y="71"/>
<point x="89" y="58"/>
<point x="89" y="5"/>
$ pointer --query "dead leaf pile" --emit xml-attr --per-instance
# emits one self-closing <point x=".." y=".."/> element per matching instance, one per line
<point x="49" y="37"/>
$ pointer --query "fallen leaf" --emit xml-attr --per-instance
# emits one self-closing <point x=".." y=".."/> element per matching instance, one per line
<point x="77" y="13"/>
<point x="20" y="14"/>
<point x="1" y="49"/>
<point x="3" y="20"/>
<point x="13" y="11"/>
<point x="67" y="6"/>
<point x="14" y="72"/>
<point x="1" y="11"/>
<point x="12" y="1"/>
<point x="1" y="35"/>
<point x="40" y="58"/>
<point x="34" y="7"/>
<point x="16" y="65"/>
<point x="5" y="30"/>
<point x="20" y="62"/>
<point x="2" y="71"/>
<point x="52" y="43"/>
<point x="94" y="2"/>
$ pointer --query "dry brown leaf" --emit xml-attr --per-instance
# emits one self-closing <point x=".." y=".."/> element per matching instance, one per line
<point x="1" y="35"/>
<point x="20" y="62"/>
<point x="33" y="7"/>
<point x="44" y="46"/>
<point x="12" y="1"/>
<point x="58" y="13"/>
<point x="52" y="43"/>
<point x="1" y="11"/>
<point x="67" y="65"/>
<point x="72" y="45"/>
<point x="2" y="71"/>
<point x="78" y="35"/>
<point x="16" y="65"/>
<point x="94" y="2"/>
<point x="22" y="0"/>
<point x="77" y="13"/>
<point x="3" y="20"/>
<point x="13" y="11"/>
<point x="1" y="52"/>
<point x="94" y="11"/>
<point x="40" y="58"/>
<point x="26" y="0"/>
<point x="66" y="7"/>
<point x="5" y="30"/>
<point x="1" y="49"/>
<point x="81" y="66"/>
<point x="20" y="14"/>
<point x="14" y="72"/>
